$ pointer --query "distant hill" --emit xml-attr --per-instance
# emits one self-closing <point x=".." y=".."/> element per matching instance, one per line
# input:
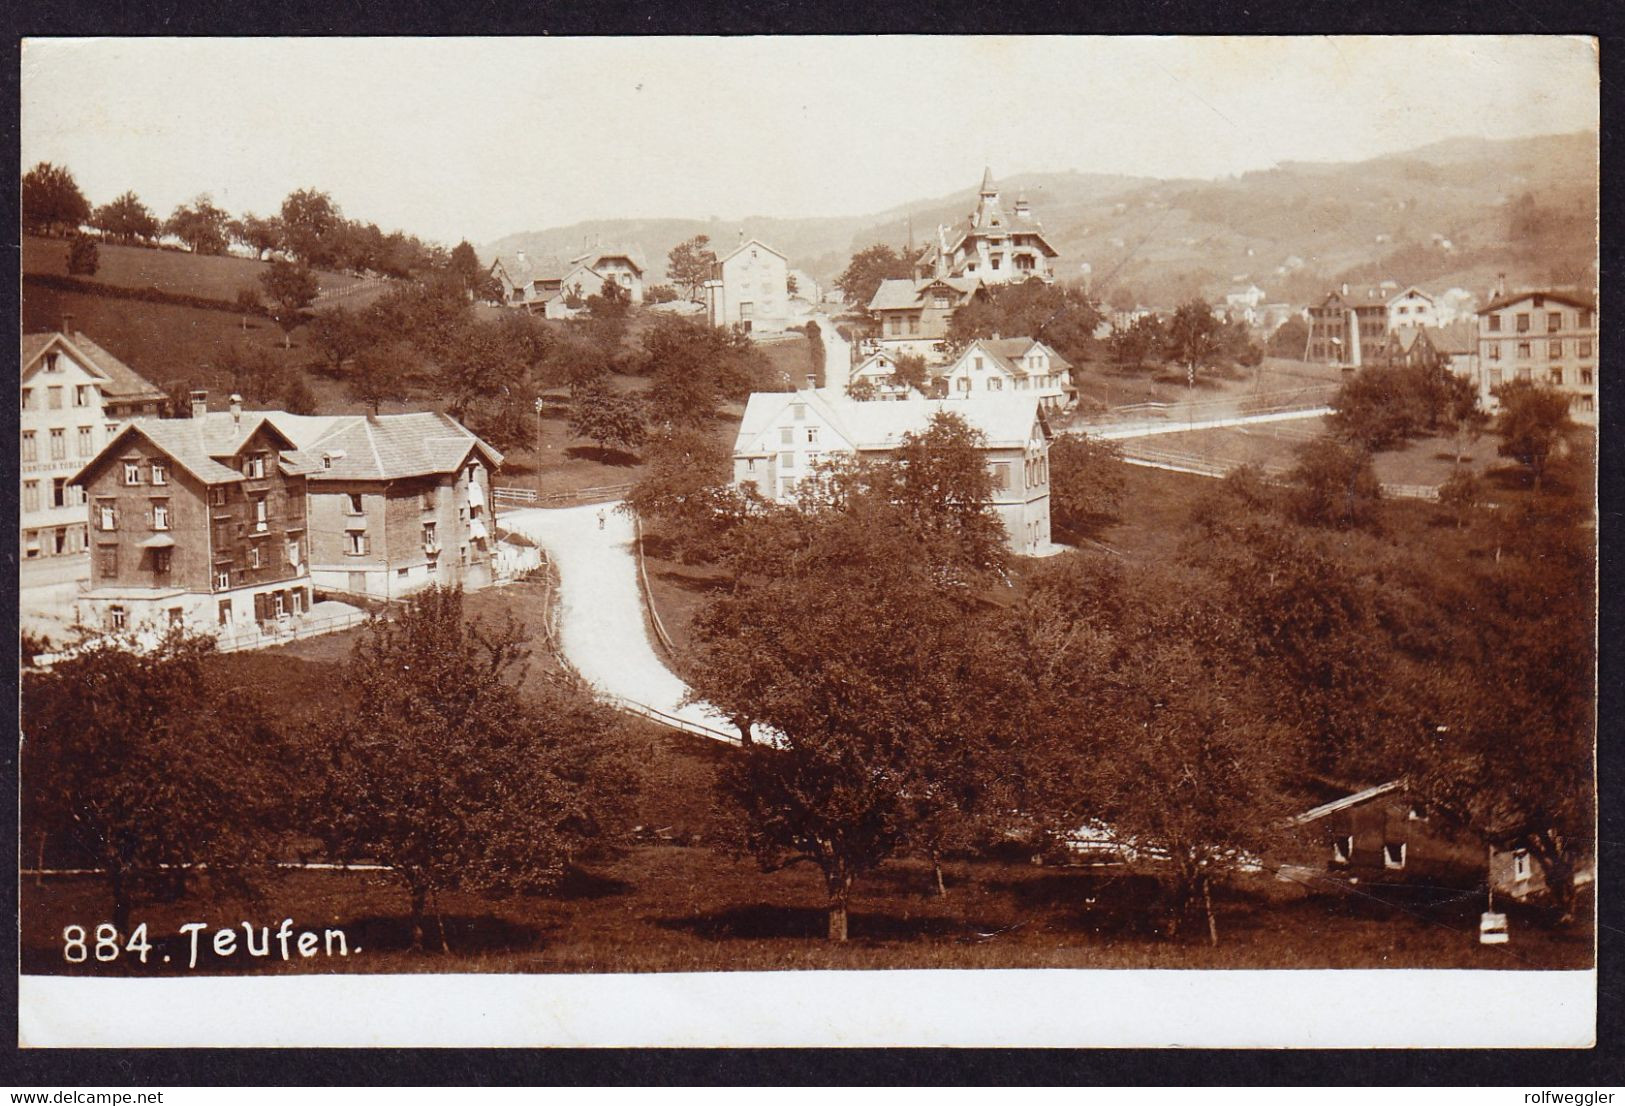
<point x="1294" y="230"/>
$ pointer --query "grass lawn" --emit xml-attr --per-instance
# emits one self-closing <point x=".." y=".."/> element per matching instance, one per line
<point x="664" y="907"/>
<point x="216" y="277"/>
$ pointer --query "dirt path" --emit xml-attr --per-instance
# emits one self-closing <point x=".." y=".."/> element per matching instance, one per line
<point x="601" y="620"/>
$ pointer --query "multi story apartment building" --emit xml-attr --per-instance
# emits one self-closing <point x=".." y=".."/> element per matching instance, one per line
<point x="197" y="521"/>
<point x="784" y="436"/>
<point x="1347" y="329"/>
<point x="1545" y="337"/>
<point x="750" y="288"/>
<point x="75" y="395"/>
<point x="992" y="246"/>
<point x="397" y="502"/>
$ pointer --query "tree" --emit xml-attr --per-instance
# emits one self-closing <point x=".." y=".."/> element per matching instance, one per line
<point x="83" y="257"/>
<point x="683" y="483"/>
<point x="51" y="200"/>
<point x="310" y="226"/>
<point x="1462" y="416"/>
<point x="262" y="235"/>
<point x="1460" y="494"/>
<point x="912" y="370"/>
<point x="660" y="293"/>
<point x="378" y="374"/>
<point x="255" y="372"/>
<point x="1193" y="336"/>
<point x="1533" y="423"/>
<point x="200" y="224"/>
<point x="863" y="274"/>
<point x="442" y="771"/>
<point x="689" y="265"/>
<point x="297" y="398"/>
<point x="339" y="335"/>
<point x="1377" y="407"/>
<point x="291" y="287"/>
<point x="606" y="417"/>
<point x="465" y="268"/>
<point x="940" y="478"/>
<point x="1061" y="316"/>
<point x="859" y="667"/>
<point x="1144" y="340"/>
<point x="248" y="303"/>
<point x="1086" y="482"/>
<point x="1290" y="339"/>
<point x="126" y="220"/>
<point x="694" y="367"/>
<point x="144" y="764"/>
<point x="1334" y="485"/>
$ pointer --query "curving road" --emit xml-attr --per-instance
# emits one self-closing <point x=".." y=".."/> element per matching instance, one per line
<point x="601" y="620"/>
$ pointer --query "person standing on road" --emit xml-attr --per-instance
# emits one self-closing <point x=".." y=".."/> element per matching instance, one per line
<point x="601" y="518"/>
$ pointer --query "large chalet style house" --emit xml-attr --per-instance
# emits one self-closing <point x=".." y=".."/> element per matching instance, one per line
<point x="397" y="502"/>
<point x="1546" y="337"/>
<point x="785" y="435"/>
<point x="993" y="365"/>
<point x="198" y="522"/>
<point x="75" y="396"/>
<point x="1412" y="308"/>
<point x="1347" y="329"/>
<point x="912" y="316"/>
<point x="750" y="288"/>
<point x="992" y="246"/>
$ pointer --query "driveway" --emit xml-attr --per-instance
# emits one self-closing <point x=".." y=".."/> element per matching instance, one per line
<point x="601" y="616"/>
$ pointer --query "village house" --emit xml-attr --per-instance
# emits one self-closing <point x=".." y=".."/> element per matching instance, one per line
<point x="1250" y="296"/>
<point x="1457" y="343"/>
<point x="876" y="378"/>
<point x="1412" y="308"/>
<point x="1011" y="365"/>
<point x="1383" y="835"/>
<point x="912" y="316"/>
<point x="785" y="436"/>
<point x="199" y="522"/>
<point x="547" y="287"/>
<point x="621" y="264"/>
<point x="75" y="396"/>
<point x="750" y="288"/>
<point x="992" y="246"/>
<point x="1547" y="337"/>
<point x="397" y="502"/>
<point x="1412" y="347"/>
<point x="1347" y="329"/>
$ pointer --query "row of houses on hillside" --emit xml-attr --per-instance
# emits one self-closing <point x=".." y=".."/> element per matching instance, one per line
<point x="557" y="289"/>
<point x="784" y="437"/>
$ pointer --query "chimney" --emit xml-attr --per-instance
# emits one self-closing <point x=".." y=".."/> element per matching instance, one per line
<point x="236" y="409"/>
<point x="1345" y="288"/>
<point x="1023" y="212"/>
<point x="520" y="256"/>
<point x="1500" y="285"/>
<point x="942" y="251"/>
<point x="67" y="322"/>
<point x="200" y="403"/>
<point x="812" y="382"/>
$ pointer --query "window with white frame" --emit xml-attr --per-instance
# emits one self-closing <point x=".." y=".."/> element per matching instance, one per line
<point x="355" y="542"/>
<point x="1523" y="867"/>
<point x="261" y="519"/>
<point x="87" y="441"/>
<point x="222" y="576"/>
<point x="253" y="556"/>
<point x="30" y="446"/>
<point x="160" y="474"/>
<point x="1393" y="854"/>
<point x="160" y="516"/>
<point x="132" y="473"/>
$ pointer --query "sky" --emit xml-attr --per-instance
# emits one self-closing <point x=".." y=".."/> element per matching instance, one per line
<point x="478" y="138"/>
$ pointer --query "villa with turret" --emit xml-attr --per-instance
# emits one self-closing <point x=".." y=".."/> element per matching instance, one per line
<point x="990" y="246"/>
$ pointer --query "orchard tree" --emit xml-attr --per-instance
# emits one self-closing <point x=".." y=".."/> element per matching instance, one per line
<point x="340" y="335"/>
<point x="1462" y="416"/>
<point x="1290" y="339"/>
<point x="200" y="224"/>
<point x="695" y="367"/>
<point x="51" y="200"/>
<point x="1193" y="336"/>
<point x="83" y="257"/>
<point x="145" y="764"/>
<point x="378" y="374"/>
<point x="1062" y="316"/>
<point x="1533" y="424"/>
<point x="442" y="771"/>
<point x="1334" y="485"/>
<point x="262" y="235"/>
<point x="291" y="287"/>
<point x="1144" y="340"/>
<point x="126" y="220"/>
<point x="255" y="372"/>
<point x="859" y="671"/>
<point x="606" y="417"/>
<point x="310" y="227"/>
<point x="1085" y="482"/>
<point x="689" y="265"/>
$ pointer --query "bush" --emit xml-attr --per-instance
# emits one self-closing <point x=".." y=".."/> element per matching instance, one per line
<point x="82" y="256"/>
<point x="1333" y="485"/>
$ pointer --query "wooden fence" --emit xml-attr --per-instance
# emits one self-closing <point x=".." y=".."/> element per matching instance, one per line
<point x="293" y="631"/>
<point x="528" y="497"/>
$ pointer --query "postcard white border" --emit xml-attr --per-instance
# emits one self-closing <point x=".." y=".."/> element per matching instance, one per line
<point x="1045" y="1008"/>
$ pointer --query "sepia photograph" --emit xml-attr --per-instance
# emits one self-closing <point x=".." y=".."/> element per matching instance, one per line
<point x="613" y="531"/>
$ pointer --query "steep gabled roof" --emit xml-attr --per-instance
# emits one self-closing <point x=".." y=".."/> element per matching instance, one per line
<point x="384" y="447"/>
<point x="594" y="256"/>
<point x="1456" y="337"/>
<point x="1403" y="292"/>
<point x="1518" y="297"/>
<point x="900" y="293"/>
<point x="196" y="444"/>
<point x="119" y="381"/>
<point x="1004" y="419"/>
<point x="752" y="242"/>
